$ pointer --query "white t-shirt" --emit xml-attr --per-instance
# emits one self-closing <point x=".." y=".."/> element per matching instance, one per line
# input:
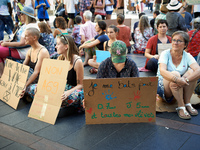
<point x="108" y="8"/>
<point x="166" y="58"/>
<point x="196" y="8"/>
<point x="28" y="3"/>
<point x="70" y="5"/>
<point x="4" y="7"/>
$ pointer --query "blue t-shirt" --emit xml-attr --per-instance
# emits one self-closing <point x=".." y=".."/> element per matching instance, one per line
<point x="102" y="39"/>
<point x="166" y="58"/>
<point x="188" y="19"/>
<point x="4" y="7"/>
<point x="42" y="13"/>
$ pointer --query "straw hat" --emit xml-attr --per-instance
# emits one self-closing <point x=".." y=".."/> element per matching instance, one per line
<point x="174" y="5"/>
<point x="163" y="8"/>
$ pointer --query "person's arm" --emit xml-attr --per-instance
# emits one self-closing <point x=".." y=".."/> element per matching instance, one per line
<point x="89" y="6"/>
<point x="192" y="10"/>
<point x="14" y="44"/>
<point x="79" y="76"/>
<point x="55" y="33"/>
<point x="148" y="54"/>
<point x="92" y="43"/>
<point x="27" y="58"/>
<point x="196" y="72"/>
<point x="104" y="45"/>
<point x="39" y="5"/>
<point x="9" y="8"/>
<point x="100" y="7"/>
<point x="82" y="38"/>
<point x="33" y="5"/>
<point x="65" y="9"/>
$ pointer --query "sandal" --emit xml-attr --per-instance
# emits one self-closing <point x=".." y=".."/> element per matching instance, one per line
<point x="187" y="115"/>
<point x="93" y="70"/>
<point x="192" y="111"/>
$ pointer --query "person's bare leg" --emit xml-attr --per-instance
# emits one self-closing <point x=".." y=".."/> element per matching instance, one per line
<point x="87" y="57"/>
<point x="93" y="63"/>
<point x="70" y="23"/>
<point x="108" y="17"/>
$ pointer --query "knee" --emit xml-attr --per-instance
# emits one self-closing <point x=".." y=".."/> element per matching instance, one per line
<point x="176" y="73"/>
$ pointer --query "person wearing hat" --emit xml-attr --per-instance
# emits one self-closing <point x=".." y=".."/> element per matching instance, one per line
<point x="193" y="46"/>
<point x="118" y="65"/>
<point x="19" y="48"/>
<point x="162" y="15"/>
<point x="175" y="20"/>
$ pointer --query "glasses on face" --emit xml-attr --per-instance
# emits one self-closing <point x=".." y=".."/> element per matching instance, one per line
<point x="177" y="41"/>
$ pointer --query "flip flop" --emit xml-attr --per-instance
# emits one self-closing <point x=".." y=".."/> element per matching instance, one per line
<point x="192" y="111"/>
<point x="187" y="115"/>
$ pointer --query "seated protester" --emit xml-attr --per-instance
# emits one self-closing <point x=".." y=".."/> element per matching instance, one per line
<point x="193" y="46"/>
<point x="177" y="75"/>
<point x="73" y="95"/>
<point x="118" y="65"/>
<point x="175" y="21"/>
<point x="46" y="37"/>
<point x="95" y="43"/>
<point x="155" y="14"/>
<point x="97" y="18"/>
<point x="151" y="52"/>
<point x="112" y="32"/>
<point x="142" y="34"/>
<point x="34" y="59"/>
<point x="136" y="23"/>
<point x="76" y="31"/>
<point x="188" y="18"/>
<point x="124" y="32"/>
<point x="61" y="27"/>
<point x="27" y="16"/>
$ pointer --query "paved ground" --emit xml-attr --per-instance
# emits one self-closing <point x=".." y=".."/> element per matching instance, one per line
<point x="19" y="132"/>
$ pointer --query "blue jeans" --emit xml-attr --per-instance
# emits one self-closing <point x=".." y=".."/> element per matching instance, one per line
<point x="152" y="65"/>
<point x="151" y="6"/>
<point x="6" y="22"/>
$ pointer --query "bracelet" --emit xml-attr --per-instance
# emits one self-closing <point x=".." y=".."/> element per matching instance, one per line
<point x="174" y="79"/>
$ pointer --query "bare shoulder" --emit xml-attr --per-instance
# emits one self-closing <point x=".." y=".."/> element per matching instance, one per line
<point x="44" y="53"/>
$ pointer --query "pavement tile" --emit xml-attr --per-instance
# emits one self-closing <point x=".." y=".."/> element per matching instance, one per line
<point x="63" y="127"/>
<point x="191" y="128"/>
<point x="89" y="135"/>
<point x="32" y="125"/>
<point x="166" y="115"/>
<point x="5" y="110"/>
<point x="17" y="135"/>
<point x="49" y="145"/>
<point x="164" y="139"/>
<point x="169" y="123"/>
<point x="127" y="137"/>
<point x="4" y="142"/>
<point x="191" y="143"/>
<point x="16" y="117"/>
<point x="16" y="146"/>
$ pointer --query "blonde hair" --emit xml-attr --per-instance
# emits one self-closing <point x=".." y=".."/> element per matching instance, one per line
<point x="143" y="24"/>
<point x="72" y="48"/>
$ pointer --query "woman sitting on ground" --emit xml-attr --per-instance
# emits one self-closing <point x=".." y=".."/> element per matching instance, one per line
<point x="118" y="65"/>
<point x="124" y="32"/>
<point x="151" y="52"/>
<point x="61" y="27"/>
<point x="68" y="51"/>
<point x="177" y="75"/>
<point x="19" y="48"/>
<point x="47" y="38"/>
<point x="34" y="59"/>
<point x="142" y="34"/>
<point x="112" y="32"/>
<point x="95" y="43"/>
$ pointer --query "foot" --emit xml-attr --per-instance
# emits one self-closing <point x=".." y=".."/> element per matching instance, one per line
<point x="182" y="113"/>
<point x="191" y="109"/>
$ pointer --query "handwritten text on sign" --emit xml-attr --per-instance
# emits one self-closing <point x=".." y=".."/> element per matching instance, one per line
<point x="51" y="85"/>
<point x="122" y="100"/>
<point x="12" y="82"/>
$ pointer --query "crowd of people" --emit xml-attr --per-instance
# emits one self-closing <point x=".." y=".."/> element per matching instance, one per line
<point x="177" y="68"/>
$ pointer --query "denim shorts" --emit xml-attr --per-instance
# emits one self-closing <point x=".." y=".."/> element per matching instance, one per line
<point x="161" y="92"/>
<point x="109" y="12"/>
<point x="132" y="4"/>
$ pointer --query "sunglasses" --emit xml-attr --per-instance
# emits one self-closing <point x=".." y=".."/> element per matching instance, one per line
<point x="64" y="38"/>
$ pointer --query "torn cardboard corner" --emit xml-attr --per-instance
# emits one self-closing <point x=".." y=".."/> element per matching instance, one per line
<point x="163" y="106"/>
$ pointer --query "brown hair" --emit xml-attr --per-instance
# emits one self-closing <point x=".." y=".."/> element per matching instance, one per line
<point x="61" y="22"/>
<point x="143" y="23"/>
<point x="72" y="48"/>
<point x="44" y="28"/>
<point x="120" y="19"/>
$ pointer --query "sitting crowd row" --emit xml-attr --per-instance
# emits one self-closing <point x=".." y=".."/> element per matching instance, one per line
<point x="177" y="72"/>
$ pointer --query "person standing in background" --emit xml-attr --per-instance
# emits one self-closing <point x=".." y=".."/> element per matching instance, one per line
<point x="109" y="8"/>
<point x="157" y="5"/>
<point x="31" y="3"/>
<point x="84" y="5"/>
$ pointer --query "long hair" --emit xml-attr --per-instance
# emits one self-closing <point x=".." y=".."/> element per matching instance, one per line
<point x="61" y="22"/>
<point x="72" y="48"/>
<point x="30" y="19"/>
<point x="44" y="28"/>
<point x="143" y="24"/>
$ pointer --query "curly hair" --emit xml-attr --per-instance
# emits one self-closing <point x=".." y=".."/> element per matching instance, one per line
<point x="143" y="23"/>
<point x="61" y="22"/>
<point x="44" y="28"/>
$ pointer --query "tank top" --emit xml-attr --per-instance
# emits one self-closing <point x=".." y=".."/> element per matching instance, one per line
<point x="33" y="64"/>
<point x="71" y="77"/>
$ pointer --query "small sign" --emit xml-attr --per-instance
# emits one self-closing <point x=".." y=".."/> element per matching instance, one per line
<point x="102" y="55"/>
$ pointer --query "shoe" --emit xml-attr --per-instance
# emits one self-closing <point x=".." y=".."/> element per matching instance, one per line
<point x="192" y="111"/>
<point x="93" y="71"/>
<point x="187" y="115"/>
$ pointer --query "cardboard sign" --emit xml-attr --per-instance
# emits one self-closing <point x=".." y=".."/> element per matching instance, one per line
<point x="193" y="2"/>
<point x="120" y="100"/>
<point x="162" y="47"/>
<point x="51" y="85"/>
<point x="12" y="82"/>
<point x="102" y="55"/>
